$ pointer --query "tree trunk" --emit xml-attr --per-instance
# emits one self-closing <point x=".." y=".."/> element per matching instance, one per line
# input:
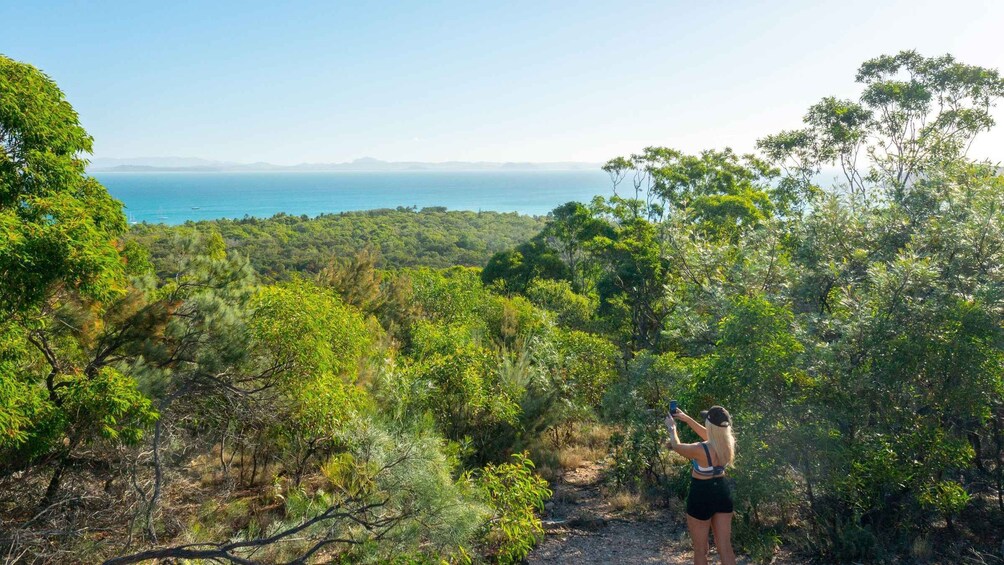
<point x="999" y="462"/>
<point x="158" y="469"/>
<point x="806" y="472"/>
<point x="53" y="489"/>
<point x="158" y="477"/>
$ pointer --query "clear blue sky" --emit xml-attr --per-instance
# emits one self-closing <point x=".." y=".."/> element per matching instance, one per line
<point x="289" y="82"/>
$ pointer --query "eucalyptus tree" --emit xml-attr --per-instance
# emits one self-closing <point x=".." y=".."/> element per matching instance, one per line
<point x="63" y="274"/>
<point x="897" y="289"/>
<point x="871" y="309"/>
<point x="57" y="225"/>
<point x="914" y="115"/>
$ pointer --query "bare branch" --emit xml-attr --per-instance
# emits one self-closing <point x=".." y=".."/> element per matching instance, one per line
<point x="225" y="551"/>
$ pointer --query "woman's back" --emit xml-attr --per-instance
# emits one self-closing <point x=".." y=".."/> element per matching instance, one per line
<point x="710" y="467"/>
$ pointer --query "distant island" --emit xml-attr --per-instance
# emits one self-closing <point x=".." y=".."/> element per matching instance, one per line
<point x="365" y="164"/>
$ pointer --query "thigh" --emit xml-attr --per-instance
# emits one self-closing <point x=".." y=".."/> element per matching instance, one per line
<point x="698" y="531"/>
<point x="722" y="523"/>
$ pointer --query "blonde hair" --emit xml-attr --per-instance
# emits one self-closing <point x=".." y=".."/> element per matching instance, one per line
<point x="722" y="442"/>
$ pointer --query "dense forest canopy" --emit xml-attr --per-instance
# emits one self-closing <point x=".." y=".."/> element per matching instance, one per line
<point x="402" y="384"/>
<point x="431" y="237"/>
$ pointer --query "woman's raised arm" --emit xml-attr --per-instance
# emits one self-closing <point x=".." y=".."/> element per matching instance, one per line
<point x="694" y="425"/>
<point x="688" y="450"/>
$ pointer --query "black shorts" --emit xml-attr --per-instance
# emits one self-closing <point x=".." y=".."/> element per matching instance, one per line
<point x="709" y="497"/>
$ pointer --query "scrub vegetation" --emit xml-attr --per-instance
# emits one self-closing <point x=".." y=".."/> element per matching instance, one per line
<point x="401" y="385"/>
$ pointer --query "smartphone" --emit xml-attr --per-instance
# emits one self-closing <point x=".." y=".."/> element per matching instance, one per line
<point x="672" y="407"/>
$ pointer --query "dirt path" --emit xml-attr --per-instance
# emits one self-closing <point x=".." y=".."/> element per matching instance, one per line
<point x="583" y="527"/>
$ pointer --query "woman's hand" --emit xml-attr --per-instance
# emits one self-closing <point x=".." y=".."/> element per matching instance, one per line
<point x="671" y="426"/>
<point x="670" y="423"/>
<point x="680" y="415"/>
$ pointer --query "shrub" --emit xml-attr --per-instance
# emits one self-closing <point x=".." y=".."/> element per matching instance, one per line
<point x="514" y="494"/>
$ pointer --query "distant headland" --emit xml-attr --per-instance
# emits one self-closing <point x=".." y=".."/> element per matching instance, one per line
<point x="365" y="164"/>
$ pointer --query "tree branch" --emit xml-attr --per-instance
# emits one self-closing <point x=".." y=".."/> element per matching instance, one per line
<point x="225" y="550"/>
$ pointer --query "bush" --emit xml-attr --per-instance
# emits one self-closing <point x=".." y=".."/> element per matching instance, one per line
<point x="515" y="494"/>
<point x="571" y="310"/>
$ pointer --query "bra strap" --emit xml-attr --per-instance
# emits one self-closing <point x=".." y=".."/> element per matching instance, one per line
<point x="707" y="453"/>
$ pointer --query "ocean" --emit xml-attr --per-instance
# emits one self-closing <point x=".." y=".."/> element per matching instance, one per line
<point x="177" y="197"/>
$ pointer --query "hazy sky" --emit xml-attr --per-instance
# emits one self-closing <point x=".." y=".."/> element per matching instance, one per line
<point x="289" y="82"/>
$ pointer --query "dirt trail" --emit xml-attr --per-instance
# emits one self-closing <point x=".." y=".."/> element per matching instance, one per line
<point x="583" y="528"/>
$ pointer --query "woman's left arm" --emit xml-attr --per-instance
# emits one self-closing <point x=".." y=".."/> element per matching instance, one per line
<point x="688" y="450"/>
<point x="674" y="439"/>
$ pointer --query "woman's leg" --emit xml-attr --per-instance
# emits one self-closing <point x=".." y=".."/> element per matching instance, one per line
<point x="713" y="540"/>
<point x="722" y="522"/>
<point x="699" y="536"/>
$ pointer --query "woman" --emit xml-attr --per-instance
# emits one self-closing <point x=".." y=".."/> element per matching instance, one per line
<point x="709" y="504"/>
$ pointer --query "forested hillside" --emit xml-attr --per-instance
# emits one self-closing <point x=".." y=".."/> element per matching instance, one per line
<point x="430" y="237"/>
<point x="357" y="388"/>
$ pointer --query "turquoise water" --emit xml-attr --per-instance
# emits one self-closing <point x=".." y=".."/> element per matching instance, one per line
<point x="174" y="198"/>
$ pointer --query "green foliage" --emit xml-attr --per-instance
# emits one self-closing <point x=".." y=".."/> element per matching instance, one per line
<point x="637" y="454"/>
<point x="457" y="297"/>
<point x="571" y="310"/>
<point x="492" y="370"/>
<point x="515" y="269"/>
<point x="587" y="365"/>
<point x="108" y="403"/>
<point x="393" y="496"/>
<point x="84" y="406"/>
<point x="21" y="404"/>
<point x="915" y="116"/>
<point x="570" y="226"/>
<point x="946" y="497"/>
<point x="639" y="401"/>
<point x="386" y="295"/>
<point x="56" y="224"/>
<point x="719" y="191"/>
<point x="514" y="494"/>
<point x="307" y="329"/>
<point x="317" y="344"/>
<point x="753" y="371"/>
<point x="465" y="392"/>
<point x="60" y="263"/>
<point x="280" y="246"/>
<point x="754" y="360"/>
<point x="414" y="474"/>
<point x="632" y="269"/>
